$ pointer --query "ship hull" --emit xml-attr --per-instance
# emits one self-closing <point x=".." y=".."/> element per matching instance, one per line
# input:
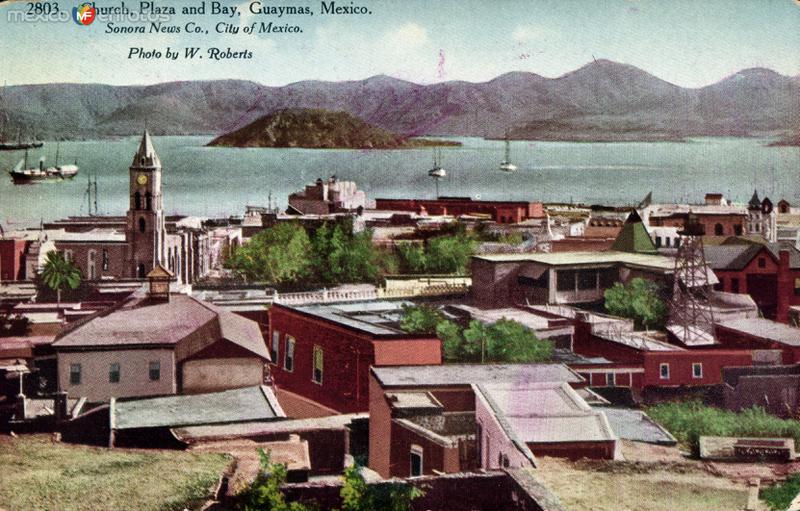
<point x="19" y="147"/>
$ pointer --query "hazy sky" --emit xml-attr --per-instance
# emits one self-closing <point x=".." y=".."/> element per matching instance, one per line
<point x="690" y="43"/>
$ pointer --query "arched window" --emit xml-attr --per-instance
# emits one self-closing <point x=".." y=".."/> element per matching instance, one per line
<point x="737" y="230"/>
<point x="91" y="265"/>
<point x="148" y="201"/>
<point x="142" y="225"/>
<point x="719" y="230"/>
<point x="137" y="200"/>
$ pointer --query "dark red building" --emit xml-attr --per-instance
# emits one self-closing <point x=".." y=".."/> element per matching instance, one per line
<point x="639" y="361"/>
<point x="769" y="273"/>
<point x="761" y="334"/>
<point x="12" y="259"/>
<point x="504" y="212"/>
<point x="322" y="353"/>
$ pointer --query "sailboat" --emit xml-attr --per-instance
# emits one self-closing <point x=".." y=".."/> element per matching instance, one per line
<point x="22" y="174"/>
<point x="437" y="172"/>
<point x="19" y="144"/>
<point x="506" y="165"/>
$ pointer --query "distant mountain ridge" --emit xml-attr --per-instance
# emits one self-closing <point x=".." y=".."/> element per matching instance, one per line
<point x="601" y="100"/>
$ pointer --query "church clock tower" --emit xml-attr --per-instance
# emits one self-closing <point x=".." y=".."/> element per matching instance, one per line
<point x="145" y="232"/>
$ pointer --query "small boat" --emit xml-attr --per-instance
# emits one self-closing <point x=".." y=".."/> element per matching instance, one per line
<point x="437" y="171"/>
<point x="506" y="165"/>
<point x="22" y="174"/>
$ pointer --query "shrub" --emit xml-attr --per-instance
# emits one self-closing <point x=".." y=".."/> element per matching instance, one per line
<point x="689" y="421"/>
<point x="780" y="496"/>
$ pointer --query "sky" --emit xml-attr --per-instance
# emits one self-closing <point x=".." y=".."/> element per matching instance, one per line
<point x="688" y="43"/>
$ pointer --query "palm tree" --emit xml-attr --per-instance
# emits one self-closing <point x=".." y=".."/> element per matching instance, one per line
<point x="59" y="273"/>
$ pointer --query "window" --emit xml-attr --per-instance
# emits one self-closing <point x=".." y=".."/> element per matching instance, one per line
<point x="677" y="243"/>
<point x="611" y="379"/>
<point x="275" y="348"/>
<point x="113" y="373"/>
<point x="697" y="370"/>
<point x="416" y="461"/>
<point x="720" y="286"/>
<point x="317" y="376"/>
<point x="658" y="241"/>
<point x="148" y="201"/>
<point x="734" y="285"/>
<point x="154" y="370"/>
<point x="74" y="374"/>
<point x="587" y="279"/>
<point x="288" y="359"/>
<point x="797" y="287"/>
<point x="105" y="259"/>
<point x="666" y="242"/>
<point x="90" y="264"/>
<point x="142" y="225"/>
<point x="68" y="255"/>
<point x="663" y="371"/>
<point x="762" y="262"/>
<point x="140" y="271"/>
<point x="565" y="280"/>
<point x="137" y="200"/>
<point x="737" y="230"/>
<point x="719" y="230"/>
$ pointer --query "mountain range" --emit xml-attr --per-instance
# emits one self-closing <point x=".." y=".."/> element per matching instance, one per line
<point x="603" y="100"/>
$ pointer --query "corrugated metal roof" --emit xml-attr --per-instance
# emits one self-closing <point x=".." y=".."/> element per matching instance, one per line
<point x="765" y="329"/>
<point x="238" y="405"/>
<point x="466" y="374"/>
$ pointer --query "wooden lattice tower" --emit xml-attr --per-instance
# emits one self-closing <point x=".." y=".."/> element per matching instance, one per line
<point x="691" y="317"/>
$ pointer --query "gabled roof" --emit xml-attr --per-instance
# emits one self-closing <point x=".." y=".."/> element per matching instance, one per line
<point x="735" y="256"/>
<point x="160" y="272"/>
<point x="634" y="237"/>
<point x="143" y="323"/>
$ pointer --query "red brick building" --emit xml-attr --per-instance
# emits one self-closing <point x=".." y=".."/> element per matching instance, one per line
<point x="12" y="259"/>
<point x="322" y="353"/>
<point x="761" y="334"/>
<point x="769" y="273"/>
<point x="504" y="212"/>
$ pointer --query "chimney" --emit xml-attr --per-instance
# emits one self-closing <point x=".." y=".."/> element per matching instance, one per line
<point x="158" y="283"/>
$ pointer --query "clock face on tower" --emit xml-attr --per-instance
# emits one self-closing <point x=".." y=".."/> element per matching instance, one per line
<point x="141" y="179"/>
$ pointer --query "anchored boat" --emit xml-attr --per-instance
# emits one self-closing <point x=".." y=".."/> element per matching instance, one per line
<point x="22" y="174"/>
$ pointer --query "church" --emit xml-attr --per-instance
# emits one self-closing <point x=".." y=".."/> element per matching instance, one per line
<point x="125" y="248"/>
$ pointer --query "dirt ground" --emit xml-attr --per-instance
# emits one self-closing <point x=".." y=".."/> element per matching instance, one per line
<point x="653" y="478"/>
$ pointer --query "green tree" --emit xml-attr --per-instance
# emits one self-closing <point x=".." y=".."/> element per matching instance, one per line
<point x="420" y="319"/>
<point x="264" y="492"/>
<point x="639" y="300"/>
<point x="412" y="258"/>
<point x="450" y="254"/>
<point x="60" y="273"/>
<point x="357" y="495"/>
<point x="339" y="255"/>
<point x="452" y="341"/>
<point x="277" y="255"/>
<point x="505" y="341"/>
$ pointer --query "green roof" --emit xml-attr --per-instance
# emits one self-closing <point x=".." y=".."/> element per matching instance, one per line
<point x="634" y="237"/>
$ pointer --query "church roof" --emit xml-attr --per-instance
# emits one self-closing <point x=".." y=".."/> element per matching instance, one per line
<point x="146" y="154"/>
<point x="755" y="202"/>
<point x="634" y="237"/>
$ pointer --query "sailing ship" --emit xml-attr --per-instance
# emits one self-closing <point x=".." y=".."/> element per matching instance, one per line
<point x="437" y="172"/>
<point x="22" y="174"/>
<point x="506" y="165"/>
<point x="19" y="144"/>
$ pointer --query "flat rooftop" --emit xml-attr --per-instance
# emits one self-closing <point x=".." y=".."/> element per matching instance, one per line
<point x="238" y="405"/>
<point x="765" y="329"/>
<point x="378" y="318"/>
<point x="468" y="374"/>
<point x="608" y="257"/>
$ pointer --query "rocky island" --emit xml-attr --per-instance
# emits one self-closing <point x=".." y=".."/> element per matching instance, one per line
<point x="318" y="129"/>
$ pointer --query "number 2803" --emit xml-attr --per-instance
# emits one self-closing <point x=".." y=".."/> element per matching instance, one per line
<point x="42" y="7"/>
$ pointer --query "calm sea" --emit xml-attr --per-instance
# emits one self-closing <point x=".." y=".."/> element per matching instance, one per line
<point x="208" y="181"/>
